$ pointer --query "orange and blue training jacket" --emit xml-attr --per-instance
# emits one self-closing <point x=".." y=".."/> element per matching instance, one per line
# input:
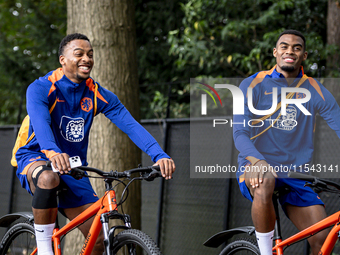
<point x="66" y="129"/>
<point x="289" y="141"/>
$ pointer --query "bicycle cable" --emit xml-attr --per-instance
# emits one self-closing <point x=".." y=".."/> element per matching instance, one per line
<point x="120" y="203"/>
<point x="126" y="190"/>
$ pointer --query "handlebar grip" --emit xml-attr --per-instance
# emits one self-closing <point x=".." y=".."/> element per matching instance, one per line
<point x="150" y="176"/>
<point x="157" y="168"/>
<point x="76" y="173"/>
<point x="301" y="176"/>
<point x="49" y="164"/>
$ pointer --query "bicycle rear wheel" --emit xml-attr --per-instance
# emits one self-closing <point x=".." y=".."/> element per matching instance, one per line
<point x="241" y="247"/>
<point x="18" y="240"/>
<point x="133" y="242"/>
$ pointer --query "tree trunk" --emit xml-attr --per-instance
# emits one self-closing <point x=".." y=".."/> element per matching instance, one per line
<point x="333" y="29"/>
<point x="333" y="37"/>
<point x="110" y="26"/>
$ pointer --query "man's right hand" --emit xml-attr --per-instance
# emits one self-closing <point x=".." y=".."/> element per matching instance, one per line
<point x="61" y="163"/>
<point x="255" y="173"/>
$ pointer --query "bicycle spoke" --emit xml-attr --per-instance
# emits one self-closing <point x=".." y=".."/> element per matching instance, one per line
<point x="131" y="250"/>
<point x="23" y="244"/>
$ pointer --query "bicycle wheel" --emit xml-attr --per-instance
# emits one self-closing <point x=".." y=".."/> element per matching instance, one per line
<point x="19" y="239"/>
<point x="240" y="247"/>
<point x="133" y="242"/>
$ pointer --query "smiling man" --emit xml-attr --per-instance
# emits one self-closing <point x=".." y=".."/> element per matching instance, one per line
<point x="282" y="142"/>
<point x="289" y="53"/>
<point x="61" y="107"/>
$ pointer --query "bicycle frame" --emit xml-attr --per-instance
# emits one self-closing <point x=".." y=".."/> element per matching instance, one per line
<point x="329" y="243"/>
<point x="105" y="204"/>
<point x="332" y="220"/>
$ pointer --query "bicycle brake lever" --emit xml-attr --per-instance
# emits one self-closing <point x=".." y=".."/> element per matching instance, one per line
<point x="77" y="173"/>
<point x="152" y="175"/>
<point x="317" y="186"/>
<point x="308" y="184"/>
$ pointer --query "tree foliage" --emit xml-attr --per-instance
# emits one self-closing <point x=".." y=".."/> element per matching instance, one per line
<point x="227" y="38"/>
<point x="176" y="40"/>
<point x="232" y="38"/>
<point x="29" y="38"/>
<point x="154" y="20"/>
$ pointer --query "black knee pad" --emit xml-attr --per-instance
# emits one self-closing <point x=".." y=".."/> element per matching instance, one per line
<point x="37" y="172"/>
<point x="45" y="198"/>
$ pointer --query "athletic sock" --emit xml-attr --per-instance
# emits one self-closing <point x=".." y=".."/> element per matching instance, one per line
<point x="265" y="242"/>
<point x="43" y="235"/>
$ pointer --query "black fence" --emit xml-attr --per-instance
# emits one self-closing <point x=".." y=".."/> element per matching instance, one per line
<point x="13" y="197"/>
<point x="188" y="211"/>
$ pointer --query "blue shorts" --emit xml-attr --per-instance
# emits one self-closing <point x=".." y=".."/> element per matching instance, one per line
<point x="298" y="195"/>
<point x="77" y="193"/>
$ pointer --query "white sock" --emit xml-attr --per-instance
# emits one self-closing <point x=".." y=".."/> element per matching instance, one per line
<point x="43" y="235"/>
<point x="265" y="242"/>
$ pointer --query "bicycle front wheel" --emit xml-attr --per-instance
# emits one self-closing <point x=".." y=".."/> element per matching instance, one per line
<point x="133" y="242"/>
<point x="241" y="247"/>
<point x="19" y="239"/>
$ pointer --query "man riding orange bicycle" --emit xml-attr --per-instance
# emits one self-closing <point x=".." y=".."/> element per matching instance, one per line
<point x="61" y="107"/>
<point x="282" y="141"/>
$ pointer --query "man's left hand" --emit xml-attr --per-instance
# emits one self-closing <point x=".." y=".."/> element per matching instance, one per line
<point x="167" y="166"/>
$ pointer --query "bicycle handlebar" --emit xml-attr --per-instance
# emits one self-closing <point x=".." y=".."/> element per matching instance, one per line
<point x="301" y="176"/>
<point x="315" y="181"/>
<point x="147" y="173"/>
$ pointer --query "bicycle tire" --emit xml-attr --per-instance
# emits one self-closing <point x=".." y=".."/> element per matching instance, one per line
<point x="241" y="247"/>
<point x="127" y="241"/>
<point x="18" y="239"/>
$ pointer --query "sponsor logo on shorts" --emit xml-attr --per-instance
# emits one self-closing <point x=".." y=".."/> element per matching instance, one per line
<point x="34" y="159"/>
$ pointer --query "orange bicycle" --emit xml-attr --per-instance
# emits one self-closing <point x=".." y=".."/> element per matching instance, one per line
<point x="249" y="245"/>
<point x="20" y="237"/>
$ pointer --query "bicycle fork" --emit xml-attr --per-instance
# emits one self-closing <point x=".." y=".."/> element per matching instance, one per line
<point x="112" y="214"/>
<point x="105" y="225"/>
<point x="104" y="218"/>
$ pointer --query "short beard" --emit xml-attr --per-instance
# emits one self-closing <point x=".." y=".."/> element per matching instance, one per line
<point x="288" y="69"/>
<point x="81" y="78"/>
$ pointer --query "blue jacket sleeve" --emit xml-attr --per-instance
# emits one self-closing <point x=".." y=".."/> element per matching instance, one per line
<point x="121" y="117"/>
<point x="40" y="118"/>
<point x="242" y="131"/>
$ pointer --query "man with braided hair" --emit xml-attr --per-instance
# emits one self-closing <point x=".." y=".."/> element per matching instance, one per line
<point x="282" y="141"/>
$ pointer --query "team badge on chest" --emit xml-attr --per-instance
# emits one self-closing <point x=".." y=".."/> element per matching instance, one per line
<point x="86" y="104"/>
<point x="288" y="121"/>
<point x="72" y="129"/>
